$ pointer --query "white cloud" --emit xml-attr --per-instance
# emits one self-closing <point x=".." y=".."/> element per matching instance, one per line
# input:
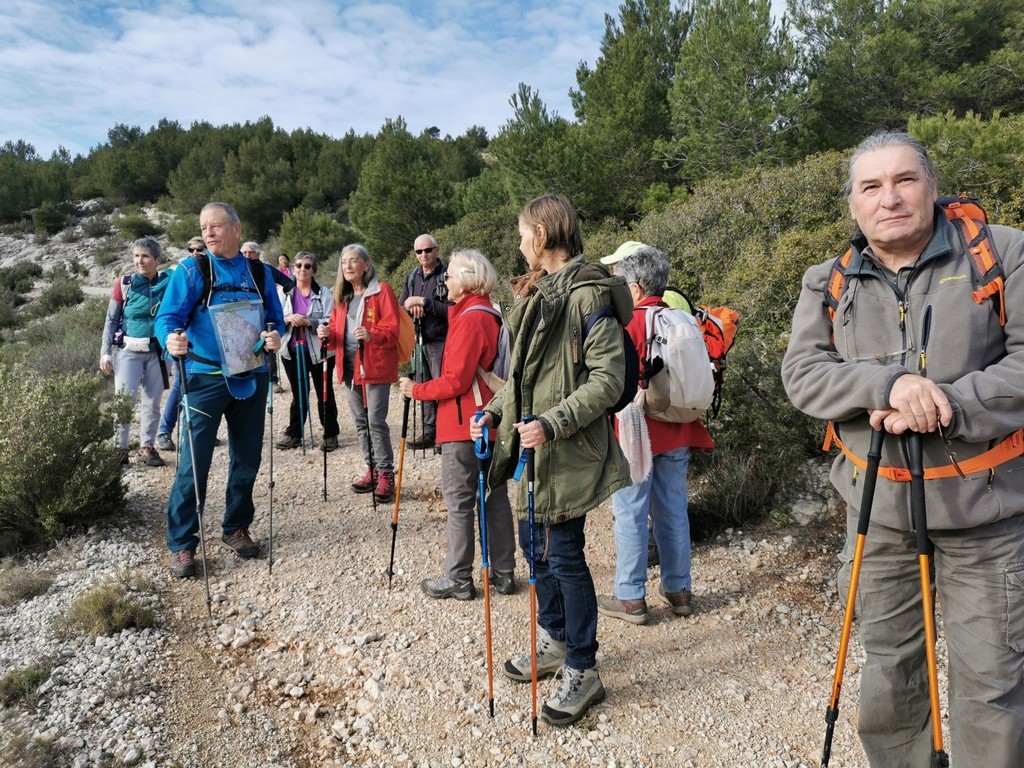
<point x="74" y="69"/>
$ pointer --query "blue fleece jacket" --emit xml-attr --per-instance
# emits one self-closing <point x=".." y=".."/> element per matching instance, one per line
<point x="183" y="306"/>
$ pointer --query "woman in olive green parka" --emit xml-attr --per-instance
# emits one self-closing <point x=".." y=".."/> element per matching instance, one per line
<point x="568" y="383"/>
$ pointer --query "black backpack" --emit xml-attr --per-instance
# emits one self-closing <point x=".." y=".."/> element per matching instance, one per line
<point x="632" y="359"/>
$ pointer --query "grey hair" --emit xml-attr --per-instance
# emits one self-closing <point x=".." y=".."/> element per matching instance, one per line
<point x="343" y="287"/>
<point x="150" y="245"/>
<point x="230" y="212"/>
<point x="307" y="256"/>
<point x="251" y="246"/>
<point x="885" y="140"/>
<point x="473" y="270"/>
<point x="648" y="268"/>
<point x="432" y="240"/>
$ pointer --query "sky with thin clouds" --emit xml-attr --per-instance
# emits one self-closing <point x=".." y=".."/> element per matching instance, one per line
<point x="72" y="69"/>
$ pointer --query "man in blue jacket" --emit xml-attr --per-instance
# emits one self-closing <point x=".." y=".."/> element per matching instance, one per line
<point x="222" y="304"/>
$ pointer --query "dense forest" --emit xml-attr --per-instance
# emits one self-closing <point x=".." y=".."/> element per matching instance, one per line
<point x="705" y="128"/>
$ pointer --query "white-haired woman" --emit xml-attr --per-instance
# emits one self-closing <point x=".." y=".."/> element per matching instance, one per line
<point x="364" y="325"/>
<point x="470" y="348"/>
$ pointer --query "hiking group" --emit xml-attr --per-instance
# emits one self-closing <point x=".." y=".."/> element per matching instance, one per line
<point x="912" y="333"/>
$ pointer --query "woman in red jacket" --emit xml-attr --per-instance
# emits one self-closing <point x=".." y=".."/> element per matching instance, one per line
<point x="364" y="323"/>
<point x="460" y="390"/>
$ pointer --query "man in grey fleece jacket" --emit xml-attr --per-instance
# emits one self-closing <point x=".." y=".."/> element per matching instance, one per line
<point x="861" y="370"/>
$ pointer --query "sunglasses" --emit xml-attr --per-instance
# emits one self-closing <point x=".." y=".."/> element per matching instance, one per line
<point x="196" y="248"/>
<point x="303" y="266"/>
<point x="425" y="250"/>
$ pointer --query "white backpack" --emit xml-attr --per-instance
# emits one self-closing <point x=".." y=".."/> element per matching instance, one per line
<point x="681" y="382"/>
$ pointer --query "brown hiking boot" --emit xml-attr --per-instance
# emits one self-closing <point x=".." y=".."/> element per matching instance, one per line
<point x="240" y="541"/>
<point x="633" y="611"/>
<point x="681" y="601"/>
<point x="183" y="564"/>
<point x="288" y="441"/>
<point x="150" y="457"/>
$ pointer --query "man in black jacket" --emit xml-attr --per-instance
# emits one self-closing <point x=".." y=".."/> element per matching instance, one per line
<point x="425" y="297"/>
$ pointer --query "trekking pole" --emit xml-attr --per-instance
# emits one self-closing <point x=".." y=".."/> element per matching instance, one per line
<point x="398" y="487"/>
<point x="531" y="519"/>
<point x="417" y="372"/>
<point x="187" y="415"/>
<point x="867" y="499"/>
<point x="482" y="449"/>
<point x="305" y="380"/>
<point x="270" y="412"/>
<point x="323" y="404"/>
<point x="917" y="510"/>
<point x="301" y="377"/>
<point x="369" y="436"/>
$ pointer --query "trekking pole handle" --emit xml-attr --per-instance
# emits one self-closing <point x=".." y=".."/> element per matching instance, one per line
<point x="482" y="445"/>
<point x="178" y="332"/>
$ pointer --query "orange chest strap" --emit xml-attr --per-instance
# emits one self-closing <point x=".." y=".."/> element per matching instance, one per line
<point x="1010" y="448"/>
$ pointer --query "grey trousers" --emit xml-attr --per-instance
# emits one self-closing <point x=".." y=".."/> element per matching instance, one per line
<point x="979" y="577"/>
<point x="460" y="485"/>
<point x="432" y="350"/>
<point x="132" y="371"/>
<point x="377" y="401"/>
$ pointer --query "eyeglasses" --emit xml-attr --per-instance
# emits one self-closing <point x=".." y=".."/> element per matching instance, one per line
<point x="303" y="266"/>
<point x="425" y="250"/>
<point x="462" y="271"/>
<point x="196" y="248"/>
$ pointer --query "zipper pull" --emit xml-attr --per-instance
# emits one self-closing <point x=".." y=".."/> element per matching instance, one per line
<point x="922" y="363"/>
<point x="575" y="345"/>
<point x="903" y="316"/>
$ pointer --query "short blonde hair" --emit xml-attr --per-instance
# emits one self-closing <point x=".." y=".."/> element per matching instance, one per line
<point x="473" y="271"/>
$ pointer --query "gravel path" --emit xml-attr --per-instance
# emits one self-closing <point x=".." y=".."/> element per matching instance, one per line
<point x="319" y="663"/>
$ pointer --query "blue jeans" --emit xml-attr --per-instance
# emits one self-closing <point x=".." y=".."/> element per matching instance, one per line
<point x="566" y="601"/>
<point x="169" y="418"/>
<point x="662" y="496"/>
<point x="209" y="400"/>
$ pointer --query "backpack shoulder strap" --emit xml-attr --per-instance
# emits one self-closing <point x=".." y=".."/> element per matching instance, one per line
<point x="836" y="285"/>
<point x="126" y="287"/>
<point x="970" y="221"/>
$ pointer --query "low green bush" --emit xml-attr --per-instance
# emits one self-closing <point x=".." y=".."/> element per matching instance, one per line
<point x="136" y="225"/>
<point x="19" y="749"/>
<point x="21" y="277"/>
<point x="62" y="292"/>
<point x="17" y="584"/>
<point x="105" y="610"/>
<point x="47" y="219"/>
<point x="65" y="342"/>
<point x="21" y="686"/>
<point x="184" y="229"/>
<point x="58" y="467"/>
<point x="96" y="226"/>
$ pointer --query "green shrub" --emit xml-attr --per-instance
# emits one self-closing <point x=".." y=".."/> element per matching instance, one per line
<point x="96" y="226"/>
<point x="105" y="610"/>
<point x="22" y="751"/>
<point x="184" y="229"/>
<point x="17" y="584"/>
<point x="70" y="235"/>
<point x="9" y="300"/>
<point x="136" y="225"/>
<point x="22" y="685"/>
<point x="65" y="342"/>
<point x="58" y="467"/>
<point x="316" y="231"/>
<point x="62" y="292"/>
<point x="47" y="219"/>
<point x="21" y="277"/>
<point x="19" y="227"/>
<point x="109" y="252"/>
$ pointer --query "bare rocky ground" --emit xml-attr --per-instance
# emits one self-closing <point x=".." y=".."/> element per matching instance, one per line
<point x="319" y="663"/>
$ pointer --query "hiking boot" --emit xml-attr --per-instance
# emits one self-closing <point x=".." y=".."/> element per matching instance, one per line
<point x="442" y="587"/>
<point x="385" y="490"/>
<point x="681" y="601"/>
<point x="164" y="442"/>
<point x="653" y="558"/>
<point x="240" y="541"/>
<point x="329" y="444"/>
<point x="150" y="457"/>
<point x="421" y="443"/>
<point x="578" y="690"/>
<point x="550" y="657"/>
<point x="278" y="389"/>
<point x="633" y="611"/>
<point x="365" y="485"/>
<point x="504" y="582"/>
<point x="288" y="441"/>
<point x="122" y="457"/>
<point x="183" y="564"/>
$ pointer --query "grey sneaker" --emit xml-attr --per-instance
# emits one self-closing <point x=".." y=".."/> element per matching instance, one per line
<point x="578" y="690"/>
<point x="633" y="611"/>
<point x="681" y="601"/>
<point x="442" y="587"/>
<point x="550" y="657"/>
<point x="164" y="442"/>
<point x="241" y="542"/>
<point x="504" y="582"/>
<point x="149" y="456"/>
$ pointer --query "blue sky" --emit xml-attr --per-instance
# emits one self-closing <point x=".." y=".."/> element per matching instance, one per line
<point x="70" y="70"/>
